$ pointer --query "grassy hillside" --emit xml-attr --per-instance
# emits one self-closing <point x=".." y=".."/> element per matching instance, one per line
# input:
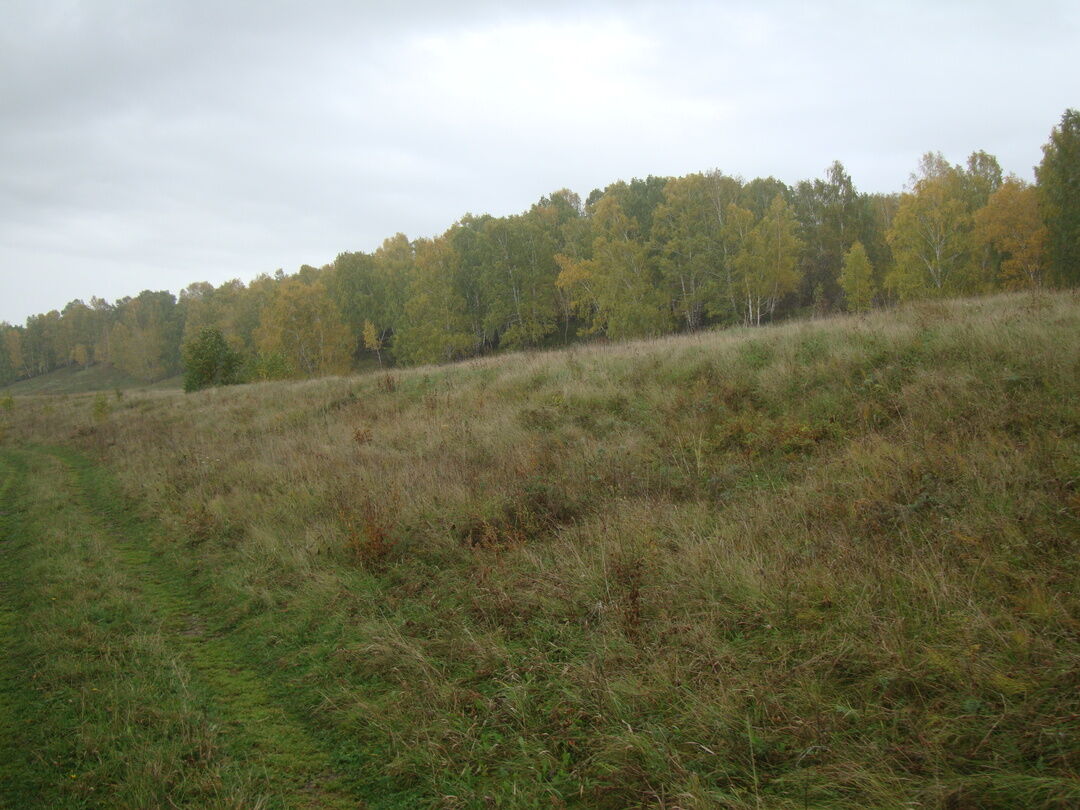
<point x="74" y="380"/>
<point x="826" y="564"/>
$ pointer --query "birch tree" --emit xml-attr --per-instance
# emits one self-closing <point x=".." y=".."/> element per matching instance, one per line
<point x="767" y="262"/>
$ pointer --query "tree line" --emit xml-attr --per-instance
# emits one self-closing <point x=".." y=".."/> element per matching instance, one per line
<point x="641" y="258"/>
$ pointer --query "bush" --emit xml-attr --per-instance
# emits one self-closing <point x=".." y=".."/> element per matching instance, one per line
<point x="271" y="366"/>
<point x="208" y="360"/>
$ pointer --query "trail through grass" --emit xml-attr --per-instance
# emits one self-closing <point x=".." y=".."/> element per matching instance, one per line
<point x="116" y="690"/>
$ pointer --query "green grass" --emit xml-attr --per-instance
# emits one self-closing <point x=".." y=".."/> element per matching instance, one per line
<point x="75" y="380"/>
<point x="823" y="565"/>
<point x="118" y="690"/>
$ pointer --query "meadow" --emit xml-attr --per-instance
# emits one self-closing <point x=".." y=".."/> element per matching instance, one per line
<point x="823" y="564"/>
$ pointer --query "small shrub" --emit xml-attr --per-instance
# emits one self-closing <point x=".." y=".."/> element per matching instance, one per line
<point x="372" y="545"/>
<point x="811" y="349"/>
<point x="8" y="403"/>
<point x="102" y="409"/>
<point x="209" y="360"/>
<point x="268" y="367"/>
<point x="626" y="571"/>
<point x="756" y="354"/>
<point x="200" y="525"/>
<point x="369" y="532"/>
<point x="540" y="418"/>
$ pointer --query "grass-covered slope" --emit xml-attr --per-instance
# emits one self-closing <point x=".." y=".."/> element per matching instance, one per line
<point x="826" y="564"/>
<point x="76" y="380"/>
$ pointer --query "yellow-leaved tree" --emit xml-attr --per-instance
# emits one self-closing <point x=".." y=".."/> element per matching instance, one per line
<point x="372" y="340"/>
<point x="1012" y="224"/>
<point x="857" y="279"/>
<point x="931" y="235"/>
<point x="303" y="325"/>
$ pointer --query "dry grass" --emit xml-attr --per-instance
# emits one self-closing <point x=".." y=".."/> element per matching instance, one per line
<point x="826" y="564"/>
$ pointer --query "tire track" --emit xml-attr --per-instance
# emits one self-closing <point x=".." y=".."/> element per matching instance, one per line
<point x="252" y="726"/>
<point x="14" y="762"/>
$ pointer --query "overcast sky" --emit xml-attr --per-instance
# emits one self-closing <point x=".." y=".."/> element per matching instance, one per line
<point x="147" y="145"/>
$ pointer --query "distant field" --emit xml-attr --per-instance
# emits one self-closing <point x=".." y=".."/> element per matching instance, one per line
<point x="81" y="380"/>
<point x="827" y="564"/>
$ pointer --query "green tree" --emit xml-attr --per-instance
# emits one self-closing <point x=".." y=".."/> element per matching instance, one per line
<point x="615" y="289"/>
<point x="272" y="366"/>
<point x="80" y="326"/>
<point x="392" y="275"/>
<point x="209" y="360"/>
<point x="880" y="212"/>
<point x="12" y="353"/>
<point x="832" y="216"/>
<point x="436" y="325"/>
<point x="857" y="279"/>
<point x="519" y="272"/>
<point x="759" y="193"/>
<point x="80" y="355"/>
<point x="248" y="305"/>
<point x="351" y="283"/>
<point x="1059" y="186"/>
<point x="221" y="308"/>
<point x="735" y="223"/>
<point x="144" y="338"/>
<point x="104" y="314"/>
<point x="638" y="199"/>
<point x="981" y="179"/>
<point x="470" y="237"/>
<point x="687" y="235"/>
<point x="40" y="343"/>
<point x="767" y="263"/>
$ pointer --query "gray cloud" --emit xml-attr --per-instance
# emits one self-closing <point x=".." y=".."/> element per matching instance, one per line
<point x="149" y="145"/>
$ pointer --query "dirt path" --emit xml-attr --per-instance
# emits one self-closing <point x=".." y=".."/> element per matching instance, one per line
<point x="113" y="692"/>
